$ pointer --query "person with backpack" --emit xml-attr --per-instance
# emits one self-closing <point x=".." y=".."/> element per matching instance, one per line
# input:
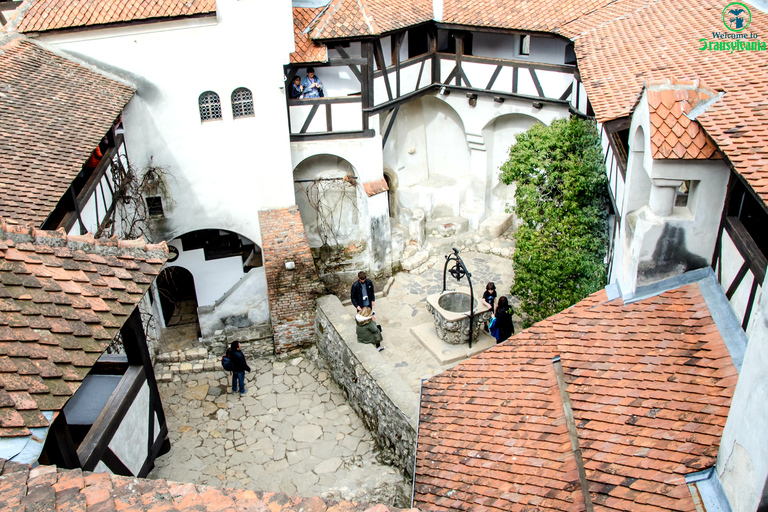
<point x="239" y="367"/>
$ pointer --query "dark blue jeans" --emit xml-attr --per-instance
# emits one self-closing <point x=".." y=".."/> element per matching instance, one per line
<point x="238" y="377"/>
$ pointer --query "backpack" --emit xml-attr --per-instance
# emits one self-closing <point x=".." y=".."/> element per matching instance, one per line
<point x="227" y="364"/>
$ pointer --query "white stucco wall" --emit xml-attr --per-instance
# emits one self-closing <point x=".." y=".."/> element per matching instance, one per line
<point x="131" y="439"/>
<point x="689" y="234"/>
<point x="742" y="461"/>
<point x="213" y="278"/>
<point x="223" y="171"/>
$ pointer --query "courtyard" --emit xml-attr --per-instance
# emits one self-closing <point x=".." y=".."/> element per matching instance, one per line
<point x="293" y="431"/>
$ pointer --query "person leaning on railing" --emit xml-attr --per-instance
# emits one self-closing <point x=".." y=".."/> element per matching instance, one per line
<point x="313" y="87"/>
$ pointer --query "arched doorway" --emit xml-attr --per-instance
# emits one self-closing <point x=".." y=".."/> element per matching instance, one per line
<point x="178" y="303"/>
<point x="391" y="179"/>
<point x="326" y="194"/>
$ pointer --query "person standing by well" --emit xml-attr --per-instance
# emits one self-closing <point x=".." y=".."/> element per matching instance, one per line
<point x="362" y="292"/>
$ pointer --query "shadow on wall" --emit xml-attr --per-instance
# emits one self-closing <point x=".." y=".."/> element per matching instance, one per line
<point x="670" y="257"/>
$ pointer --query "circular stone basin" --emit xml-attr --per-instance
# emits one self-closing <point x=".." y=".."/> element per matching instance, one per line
<point x="455" y="302"/>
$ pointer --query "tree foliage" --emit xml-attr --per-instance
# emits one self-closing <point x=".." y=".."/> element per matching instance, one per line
<point x="561" y="199"/>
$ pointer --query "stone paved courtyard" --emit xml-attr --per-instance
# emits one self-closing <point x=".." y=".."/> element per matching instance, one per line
<point x="292" y="432"/>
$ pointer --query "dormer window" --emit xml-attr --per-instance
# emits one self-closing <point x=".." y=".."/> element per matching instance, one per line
<point x="210" y="106"/>
<point x="242" y="103"/>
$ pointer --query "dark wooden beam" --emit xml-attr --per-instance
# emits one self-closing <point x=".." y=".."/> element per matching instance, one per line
<point x="325" y="101"/>
<point x="421" y="72"/>
<point x="366" y="87"/>
<point x="746" y="247"/>
<point x="114" y="463"/>
<point x="562" y="68"/>
<point x="494" y="77"/>
<point x="618" y="124"/>
<point x="536" y="83"/>
<point x="514" y="80"/>
<point x="363" y="134"/>
<point x="353" y="67"/>
<point x="140" y="339"/>
<point x="149" y="463"/>
<point x="567" y="92"/>
<point x="64" y="442"/>
<point x="390" y="125"/>
<point x="380" y="58"/>
<point x="310" y="116"/>
<point x="737" y="280"/>
<point x="328" y="121"/>
<point x="103" y="429"/>
<point x="750" y="303"/>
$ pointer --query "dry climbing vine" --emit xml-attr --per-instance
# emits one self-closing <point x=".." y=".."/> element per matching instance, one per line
<point x="130" y="217"/>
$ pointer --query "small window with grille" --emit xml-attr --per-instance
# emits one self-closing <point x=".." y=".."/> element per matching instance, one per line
<point x="155" y="206"/>
<point x="210" y="106"/>
<point x="242" y="103"/>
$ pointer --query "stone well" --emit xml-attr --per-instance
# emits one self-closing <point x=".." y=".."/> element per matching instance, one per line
<point x="450" y="310"/>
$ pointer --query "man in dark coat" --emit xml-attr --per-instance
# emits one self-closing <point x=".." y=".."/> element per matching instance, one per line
<point x="238" y="362"/>
<point x="362" y="292"/>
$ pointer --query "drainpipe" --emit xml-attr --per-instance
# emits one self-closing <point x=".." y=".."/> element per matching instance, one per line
<point x="572" y="432"/>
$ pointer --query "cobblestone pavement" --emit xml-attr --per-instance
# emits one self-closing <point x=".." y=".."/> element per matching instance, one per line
<point x="292" y="432"/>
<point x="405" y="307"/>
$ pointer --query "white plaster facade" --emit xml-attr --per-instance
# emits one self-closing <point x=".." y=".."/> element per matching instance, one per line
<point x="656" y="239"/>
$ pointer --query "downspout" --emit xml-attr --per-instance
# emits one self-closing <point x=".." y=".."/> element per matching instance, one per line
<point x="572" y="433"/>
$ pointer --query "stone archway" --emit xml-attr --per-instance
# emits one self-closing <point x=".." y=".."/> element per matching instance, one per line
<point x="326" y="194"/>
<point x="178" y="305"/>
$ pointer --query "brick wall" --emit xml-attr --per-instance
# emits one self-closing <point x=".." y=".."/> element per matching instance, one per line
<point x="291" y="292"/>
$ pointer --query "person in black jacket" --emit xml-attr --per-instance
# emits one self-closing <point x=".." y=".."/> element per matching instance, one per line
<point x="362" y="292"/>
<point x="238" y="361"/>
<point x="504" y="326"/>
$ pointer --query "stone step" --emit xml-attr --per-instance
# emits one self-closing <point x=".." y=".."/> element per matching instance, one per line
<point x="165" y="372"/>
<point x="180" y="356"/>
<point x="447" y="226"/>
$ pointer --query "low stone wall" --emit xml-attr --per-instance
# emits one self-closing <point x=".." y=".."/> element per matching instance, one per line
<point x="255" y="341"/>
<point x="385" y="403"/>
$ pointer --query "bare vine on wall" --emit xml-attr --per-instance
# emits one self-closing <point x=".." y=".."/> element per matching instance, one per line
<point x="130" y="217"/>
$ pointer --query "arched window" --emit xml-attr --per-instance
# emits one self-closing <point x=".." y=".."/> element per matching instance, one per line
<point x="210" y="106"/>
<point x="242" y="102"/>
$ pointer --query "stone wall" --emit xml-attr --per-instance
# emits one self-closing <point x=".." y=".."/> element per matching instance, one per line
<point x="385" y="403"/>
<point x="292" y="291"/>
<point x="255" y="341"/>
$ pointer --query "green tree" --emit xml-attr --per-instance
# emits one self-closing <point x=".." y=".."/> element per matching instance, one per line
<point x="561" y="199"/>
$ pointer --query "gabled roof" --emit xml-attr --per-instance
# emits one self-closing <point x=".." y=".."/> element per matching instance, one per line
<point x="53" y="113"/>
<point x="49" y="488"/>
<point x="650" y="385"/>
<point x="62" y="300"/>
<point x="673" y="134"/>
<point x="353" y="18"/>
<point x="43" y="15"/>
<point x="620" y="44"/>
<point x="306" y="49"/>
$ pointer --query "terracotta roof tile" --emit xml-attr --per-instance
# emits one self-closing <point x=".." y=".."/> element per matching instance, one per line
<point x="46" y="346"/>
<point x="642" y="378"/>
<point x="46" y="488"/>
<point x="53" y="112"/>
<point x="43" y="15"/>
<point x="352" y="18"/>
<point x="306" y="49"/>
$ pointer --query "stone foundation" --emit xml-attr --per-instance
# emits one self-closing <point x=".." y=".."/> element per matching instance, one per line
<point x="385" y="403"/>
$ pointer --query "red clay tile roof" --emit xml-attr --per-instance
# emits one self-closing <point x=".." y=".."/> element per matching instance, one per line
<point x="62" y="300"/>
<point x="45" y="15"/>
<point x="306" y="49"/>
<point x="375" y="187"/>
<point x="53" y="113"/>
<point x="352" y="18"/>
<point x="48" y="488"/>
<point x="650" y="385"/>
<point x="673" y="134"/>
